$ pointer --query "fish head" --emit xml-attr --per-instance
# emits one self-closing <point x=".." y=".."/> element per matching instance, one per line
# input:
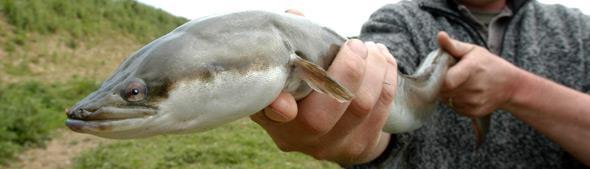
<point x="179" y="83"/>
<point x="144" y="96"/>
<point x="115" y="111"/>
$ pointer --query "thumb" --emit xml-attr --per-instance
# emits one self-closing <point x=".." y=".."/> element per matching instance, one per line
<point x="454" y="47"/>
<point x="283" y="109"/>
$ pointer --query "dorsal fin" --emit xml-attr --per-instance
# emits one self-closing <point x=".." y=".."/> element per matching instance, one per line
<point x="318" y="79"/>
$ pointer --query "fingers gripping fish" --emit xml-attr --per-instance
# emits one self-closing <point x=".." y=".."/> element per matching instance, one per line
<point x="217" y="69"/>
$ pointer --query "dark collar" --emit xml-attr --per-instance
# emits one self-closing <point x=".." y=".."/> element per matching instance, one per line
<point x="451" y="6"/>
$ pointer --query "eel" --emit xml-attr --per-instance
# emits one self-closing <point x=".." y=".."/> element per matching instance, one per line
<point x="217" y="69"/>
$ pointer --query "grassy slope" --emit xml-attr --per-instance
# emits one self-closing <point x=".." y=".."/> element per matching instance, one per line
<point x="54" y="40"/>
<point x="241" y="144"/>
<point x="31" y="110"/>
<point x="54" y="52"/>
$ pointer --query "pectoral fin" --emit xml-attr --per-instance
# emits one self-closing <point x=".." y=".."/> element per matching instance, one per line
<point x="481" y="126"/>
<point x="318" y="80"/>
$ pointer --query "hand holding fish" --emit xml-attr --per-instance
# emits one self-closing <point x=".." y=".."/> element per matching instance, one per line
<point x="346" y="133"/>
<point x="480" y="82"/>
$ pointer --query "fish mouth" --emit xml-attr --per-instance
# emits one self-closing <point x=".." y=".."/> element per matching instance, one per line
<point x="109" y="119"/>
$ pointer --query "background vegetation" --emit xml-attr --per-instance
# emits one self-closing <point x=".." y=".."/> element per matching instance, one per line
<point x="88" y="17"/>
<point x="31" y="110"/>
<point x="241" y="144"/>
<point x="54" y="52"/>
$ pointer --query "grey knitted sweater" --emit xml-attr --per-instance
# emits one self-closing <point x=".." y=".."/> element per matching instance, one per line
<point x="549" y="40"/>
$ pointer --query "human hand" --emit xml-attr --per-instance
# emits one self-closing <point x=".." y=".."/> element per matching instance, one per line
<point x="346" y="133"/>
<point x="480" y="82"/>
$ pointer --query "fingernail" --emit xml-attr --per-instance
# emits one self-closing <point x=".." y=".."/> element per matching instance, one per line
<point x="358" y="47"/>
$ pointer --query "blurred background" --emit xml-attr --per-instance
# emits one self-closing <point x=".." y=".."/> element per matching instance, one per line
<point x="54" y="52"/>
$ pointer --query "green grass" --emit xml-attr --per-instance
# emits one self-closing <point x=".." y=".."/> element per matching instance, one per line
<point x="82" y="18"/>
<point x="31" y="110"/>
<point x="241" y="144"/>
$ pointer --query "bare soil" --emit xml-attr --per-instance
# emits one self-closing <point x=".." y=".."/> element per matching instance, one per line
<point x="59" y="153"/>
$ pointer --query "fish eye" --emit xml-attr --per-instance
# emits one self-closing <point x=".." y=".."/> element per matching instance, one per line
<point x="135" y="91"/>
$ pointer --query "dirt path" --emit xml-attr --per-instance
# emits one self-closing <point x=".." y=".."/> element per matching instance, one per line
<point x="59" y="152"/>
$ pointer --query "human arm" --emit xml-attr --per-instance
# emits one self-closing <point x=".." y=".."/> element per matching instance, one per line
<point x="560" y="113"/>
<point x="482" y="82"/>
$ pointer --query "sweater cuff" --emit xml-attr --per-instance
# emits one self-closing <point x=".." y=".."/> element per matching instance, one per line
<point x="392" y="145"/>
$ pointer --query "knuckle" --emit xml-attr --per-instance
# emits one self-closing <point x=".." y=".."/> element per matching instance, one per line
<point x="381" y="57"/>
<point x="387" y="95"/>
<point x="393" y="64"/>
<point x="477" y="68"/>
<point x="393" y="61"/>
<point x="365" y="101"/>
<point x="317" y="125"/>
<point x="354" y="69"/>
<point x="318" y="129"/>
<point x="363" y="106"/>
<point x="448" y="84"/>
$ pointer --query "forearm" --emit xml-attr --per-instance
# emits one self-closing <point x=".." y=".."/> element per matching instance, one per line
<point x="558" y="112"/>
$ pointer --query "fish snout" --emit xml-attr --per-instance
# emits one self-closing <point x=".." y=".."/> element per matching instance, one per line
<point x="80" y="112"/>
